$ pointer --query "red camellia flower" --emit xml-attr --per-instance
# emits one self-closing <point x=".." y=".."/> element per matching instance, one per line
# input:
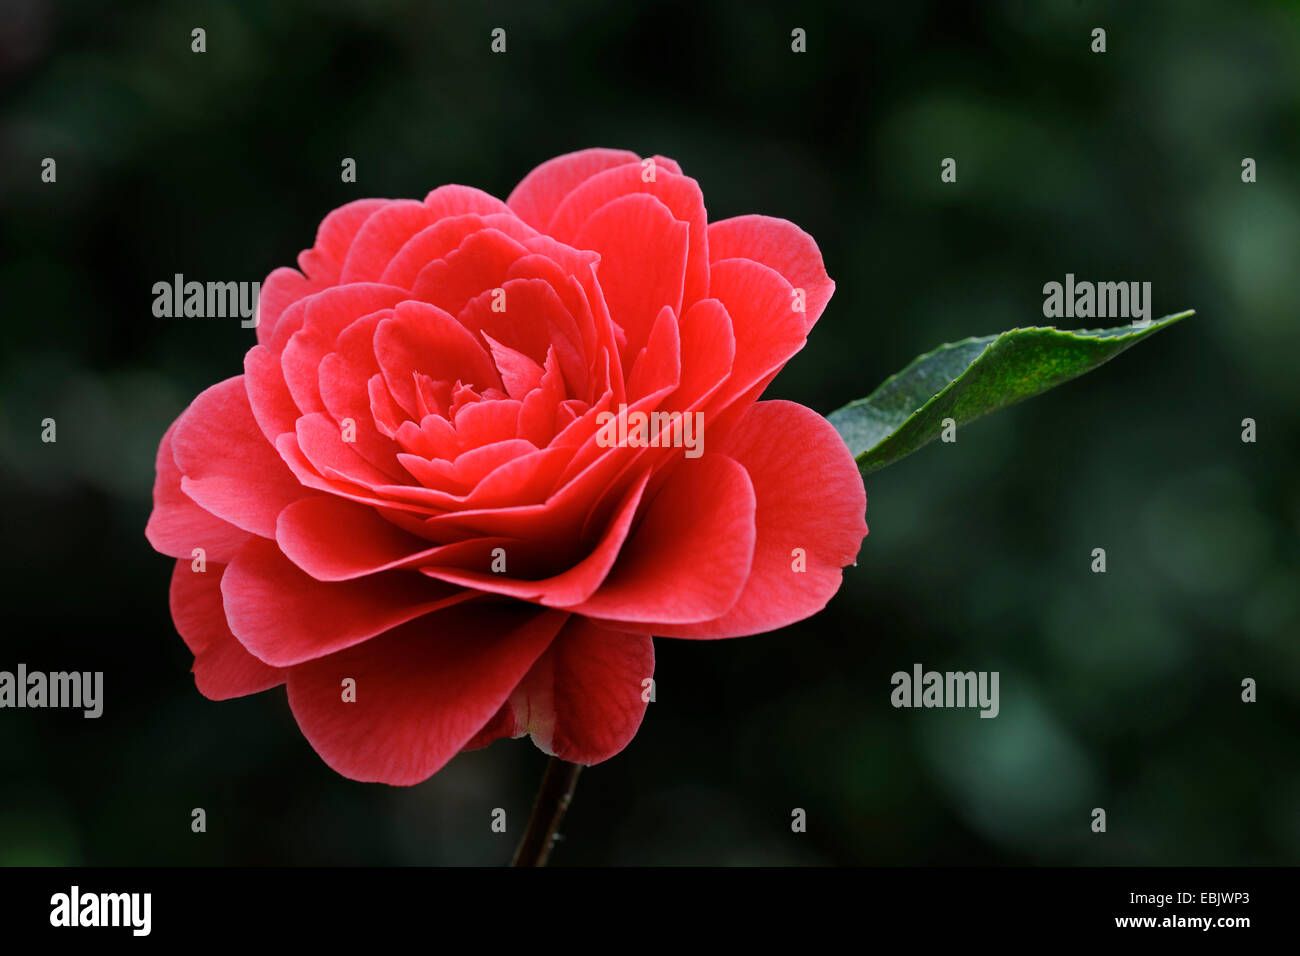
<point x="483" y="451"/>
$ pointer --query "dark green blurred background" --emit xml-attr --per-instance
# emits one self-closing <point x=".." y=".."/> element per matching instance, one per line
<point x="1119" y="691"/>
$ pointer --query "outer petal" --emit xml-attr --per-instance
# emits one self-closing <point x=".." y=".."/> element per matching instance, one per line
<point x="680" y="194"/>
<point x="643" y="252"/>
<point x="285" y="617"/>
<point x="690" y="557"/>
<point x="381" y="237"/>
<point x="230" y="469"/>
<point x="334" y="539"/>
<point x="780" y="245"/>
<point x="422" y="690"/>
<point x="539" y="193"/>
<point x="585" y="698"/>
<point x="767" y="331"/>
<point x="337" y="232"/>
<point x="268" y="395"/>
<point x="809" y="495"/>
<point x="177" y="525"/>
<point x="453" y="200"/>
<point x="281" y="289"/>
<point x="222" y="668"/>
<point x="708" y="352"/>
<point x="321" y="264"/>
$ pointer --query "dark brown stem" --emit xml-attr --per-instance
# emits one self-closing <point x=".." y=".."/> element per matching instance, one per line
<point x="553" y="798"/>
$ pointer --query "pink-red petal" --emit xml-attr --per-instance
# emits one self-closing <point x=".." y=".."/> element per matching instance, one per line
<point x="779" y="245"/>
<point x="222" y="668"/>
<point x="422" y="691"/>
<point x="643" y="254"/>
<point x="539" y="193"/>
<point x="284" y="616"/>
<point x="690" y="557"/>
<point x="809" y="515"/>
<point x="229" y="467"/>
<point x="585" y="698"/>
<point x="680" y="194"/>
<point x="177" y="525"/>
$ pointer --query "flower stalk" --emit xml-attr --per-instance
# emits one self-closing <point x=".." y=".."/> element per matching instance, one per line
<point x="553" y="798"/>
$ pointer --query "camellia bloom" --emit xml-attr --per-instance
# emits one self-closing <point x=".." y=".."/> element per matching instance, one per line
<point x="413" y="510"/>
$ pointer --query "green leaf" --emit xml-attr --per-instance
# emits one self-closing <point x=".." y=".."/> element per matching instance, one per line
<point x="969" y="379"/>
